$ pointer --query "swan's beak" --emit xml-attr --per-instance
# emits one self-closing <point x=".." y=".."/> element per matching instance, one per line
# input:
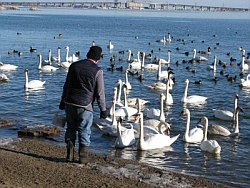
<point x="168" y="131"/>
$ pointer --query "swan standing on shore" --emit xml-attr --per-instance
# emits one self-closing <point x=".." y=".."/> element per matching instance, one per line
<point x="154" y="141"/>
<point x="220" y="130"/>
<point x="226" y="114"/>
<point x="194" y="135"/>
<point x="211" y="146"/>
<point x="33" y="84"/>
<point x="192" y="98"/>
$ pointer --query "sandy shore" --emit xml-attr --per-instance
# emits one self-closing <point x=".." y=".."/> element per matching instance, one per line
<point x="36" y="163"/>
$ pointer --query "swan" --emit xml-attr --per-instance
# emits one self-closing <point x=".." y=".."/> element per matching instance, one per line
<point x="3" y="78"/>
<point x="162" y="86"/>
<point x="163" y="61"/>
<point x="125" y="137"/>
<point x="243" y="65"/>
<point x="45" y="67"/>
<point x="153" y="141"/>
<point x="210" y="146"/>
<point x="125" y="111"/>
<point x="149" y="66"/>
<point x="137" y="63"/>
<point x="169" y="98"/>
<point x="7" y="67"/>
<point x="64" y="64"/>
<point x="199" y="58"/>
<point x="48" y="61"/>
<point x="129" y="86"/>
<point x="154" y="113"/>
<point x="246" y="82"/>
<point x="109" y="104"/>
<point x="161" y="74"/>
<point x="220" y="130"/>
<point x="213" y="67"/>
<point x="163" y="40"/>
<point x="226" y="114"/>
<point x="33" y="84"/>
<point x="108" y="126"/>
<point x="194" y="135"/>
<point x="58" y="57"/>
<point x="169" y="38"/>
<point x="71" y="58"/>
<point x="192" y="98"/>
<point x="110" y="46"/>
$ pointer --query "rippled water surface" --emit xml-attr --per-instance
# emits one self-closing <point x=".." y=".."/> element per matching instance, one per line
<point x="138" y="31"/>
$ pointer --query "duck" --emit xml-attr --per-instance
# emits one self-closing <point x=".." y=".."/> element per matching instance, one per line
<point x="193" y="99"/>
<point x="48" y="68"/>
<point x="7" y="67"/>
<point x="3" y="78"/>
<point x="211" y="146"/>
<point x="110" y="46"/>
<point x="216" y="129"/>
<point x="194" y="135"/>
<point x="33" y="84"/>
<point x="226" y="115"/>
<point x="32" y="49"/>
<point x="125" y="137"/>
<point x="245" y="82"/>
<point x="153" y="141"/>
<point x="208" y="52"/>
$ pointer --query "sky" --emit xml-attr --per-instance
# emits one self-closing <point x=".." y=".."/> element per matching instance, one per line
<point x="220" y="3"/>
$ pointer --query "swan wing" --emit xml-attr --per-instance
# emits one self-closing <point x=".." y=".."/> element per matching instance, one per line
<point x="210" y="146"/>
<point x="35" y="84"/>
<point x="218" y="130"/>
<point x="223" y="114"/>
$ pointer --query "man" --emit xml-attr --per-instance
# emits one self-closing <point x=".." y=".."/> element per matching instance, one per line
<point x="84" y="84"/>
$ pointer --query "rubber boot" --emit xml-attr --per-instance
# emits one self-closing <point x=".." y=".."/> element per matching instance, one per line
<point x="70" y="151"/>
<point x="83" y="154"/>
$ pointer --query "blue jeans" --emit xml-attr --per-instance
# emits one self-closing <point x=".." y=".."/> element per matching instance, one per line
<point x="78" y="120"/>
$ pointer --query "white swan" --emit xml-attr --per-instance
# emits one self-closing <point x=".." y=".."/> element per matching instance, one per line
<point x="70" y="58"/>
<point x="245" y="82"/>
<point x="163" y="40"/>
<point x="163" y="61"/>
<point x="33" y="84"/>
<point x="149" y="66"/>
<point x="48" y="68"/>
<point x="161" y="74"/>
<point x="48" y="61"/>
<point x="194" y="135"/>
<point x="163" y="86"/>
<point x="129" y="86"/>
<point x="109" y="104"/>
<point x="136" y="63"/>
<point x="213" y="66"/>
<point x="169" y="38"/>
<point x="154" y="141"/>
<point x="7" y="67"/>
<point x="192" y="98"/>
<point x="154" y="113"/>
<point x="226" y="114"/>
<point x="63" y="64"/>
<point x="125" y="111"/>
<point x="3" y="78"/>
<point x="58" y="57"/>
<point x="199" y="58"/>
<point x="110" y="46"/>
<point x="210" y="146"/>
<point x="220" y="130"/>
<point x="169" y="99"/>
<point x="243" y="65"/>
<point x="125" y="137"/>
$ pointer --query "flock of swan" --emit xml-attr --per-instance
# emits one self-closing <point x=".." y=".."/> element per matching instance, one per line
<point x="149" y="129"/>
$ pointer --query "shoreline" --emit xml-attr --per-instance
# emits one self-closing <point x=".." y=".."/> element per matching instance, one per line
<point x="37" y="163"/>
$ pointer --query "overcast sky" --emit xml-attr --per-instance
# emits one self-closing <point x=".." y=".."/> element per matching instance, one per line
<point x="226" y="3"/>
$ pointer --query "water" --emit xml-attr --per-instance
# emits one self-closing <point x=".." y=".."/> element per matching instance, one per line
<point x="81" y="27"/>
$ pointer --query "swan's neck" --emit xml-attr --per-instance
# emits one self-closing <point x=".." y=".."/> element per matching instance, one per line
<point x="26" y="79"/>
<point x="185" y="93"/>
<point x="119" y="92"/>
<point x="187" y="125"/>
<point x="236" y="122"/>
<point x="59" y="55"/>
<point x="242" y="62"/>
<point x="40" y="62"/>
<point x="235" y="106"/>
<point x="205" y="131"/>
<point x="114" y="122"/>
<point x="67" y="54"/>
<point x="215" y="64"/>
<point x="168" y="57"/>
<point x="159" y="70"/>
<point x="129" y="55"/>
<point x="125" y="98"/>
<point x="143" y="60"/>
<point x="194" y="54"/>
<point x="141" y="136"/>
<point x="162" y="116"/>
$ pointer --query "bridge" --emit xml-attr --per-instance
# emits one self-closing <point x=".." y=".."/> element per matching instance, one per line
<point x="120" y="5"/>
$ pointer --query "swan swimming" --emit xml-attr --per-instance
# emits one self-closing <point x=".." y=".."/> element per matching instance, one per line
<point x="194" y="135"/>
<point x="154" y="141"/>
<point x="3" y="78"/>
<point x="220" y="130"/>
<point x="7" y="67"/>
<point x="226" y="114"/>
<point x="125" y="137"/>
<point x="199" y="58"/>
<point x="245" y="82"/>
<point x="211" y="146"/>
<point x="110" y="46"/>
<point x="33" y="84"/>
<point x="192" y="98"/>
<point x="48" y="68"/>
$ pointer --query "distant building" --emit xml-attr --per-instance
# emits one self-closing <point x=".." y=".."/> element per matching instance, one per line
<point x="133" y="5"/>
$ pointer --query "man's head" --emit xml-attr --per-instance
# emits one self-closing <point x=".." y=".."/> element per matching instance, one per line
<point x="94" y="53"/>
